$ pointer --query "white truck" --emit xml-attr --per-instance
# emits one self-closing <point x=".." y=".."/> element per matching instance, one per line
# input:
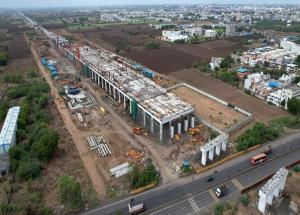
<point x="136" y="207"/>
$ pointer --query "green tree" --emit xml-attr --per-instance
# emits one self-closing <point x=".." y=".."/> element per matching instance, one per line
<point x="28" y="169"/>
<point x="46" y="145"/>
<point x="219" y="209"/>
<point x="293" y="105"/>
<point x="69" y="191"/>
<point x="297" y="61"/>
<point x="3" y="58"/>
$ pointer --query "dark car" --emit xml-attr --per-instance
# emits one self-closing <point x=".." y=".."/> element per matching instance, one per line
<point x="210" y="179"/>
<point x="268" y="150"/>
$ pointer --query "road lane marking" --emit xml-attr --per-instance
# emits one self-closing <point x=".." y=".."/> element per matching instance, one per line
<point x="213" y="195"/>
<point x="193" y="204"/>
<point x="237" y="184"/>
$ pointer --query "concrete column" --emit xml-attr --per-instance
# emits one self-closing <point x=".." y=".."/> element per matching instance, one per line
<point x="282" y="184"/>
<point x="262" y="202"/>
<point x="211" y="154"/>
<point x="192" y="122"/>
<point x="115" y="95"/>
<point x="204" y="158"/>
<point x="224" y="145"/>
<point x="160" y="131"/>
<point x="172" y="131"/>
<point x="218" y="149"/>
<point x="270" y="198"/>
<point x="276" y="191"/>
<point x="119" y="93"/>
<point x="144" y="118"/>
<point x="179" y="128"/>
<point x="186" y="124"/>
<point x="124" y="102"/>
<point x="151" y="125"/>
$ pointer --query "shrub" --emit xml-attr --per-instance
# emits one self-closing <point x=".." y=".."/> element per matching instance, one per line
<point x="69" y="191"/>
<point x="46" y="145"/>
<point x="140" y="178"/>
<point x="12" y="78"/>
<point x="296" y="169"/>
<point x="28" y="169"/>
<point x="257" y="135"/>
<point x="245" y="200"/>
<point x="3" y="58"/>
<point x="219" y="209"/>
<point x="3" y="110"/>
<point x="152" y="45"/>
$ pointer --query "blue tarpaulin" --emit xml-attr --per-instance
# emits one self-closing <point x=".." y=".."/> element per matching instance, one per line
<point x="242" y="70"/>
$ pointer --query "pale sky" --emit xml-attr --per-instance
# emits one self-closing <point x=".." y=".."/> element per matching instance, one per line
<point x="63" y="3"/>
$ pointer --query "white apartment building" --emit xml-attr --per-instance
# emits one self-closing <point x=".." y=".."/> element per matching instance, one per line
<point x="210" y="33"/>
<point x="197" y="31"/>
<point x="277" y="97"/>
<point x="172" y="36"/>
<point x="290" y="46"/>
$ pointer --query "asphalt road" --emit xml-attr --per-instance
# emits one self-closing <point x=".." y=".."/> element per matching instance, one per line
<point x="196" y="194"/>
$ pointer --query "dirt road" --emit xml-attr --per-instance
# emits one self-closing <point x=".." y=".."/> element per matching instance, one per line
<point x="79" y="140"/>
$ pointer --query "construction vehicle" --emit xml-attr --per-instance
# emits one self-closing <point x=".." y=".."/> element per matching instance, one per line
<point x="177" y="137"/>
<point x="136" y="207"/>
<point x="137" y="130"/>
<point x="102" y="111"/>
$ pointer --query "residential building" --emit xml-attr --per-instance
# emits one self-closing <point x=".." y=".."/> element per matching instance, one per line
<point x="210" y="33"/>
<point x="172" y="36"/>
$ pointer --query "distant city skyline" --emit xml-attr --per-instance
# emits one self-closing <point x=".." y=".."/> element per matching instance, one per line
<point x="74" y="3"/>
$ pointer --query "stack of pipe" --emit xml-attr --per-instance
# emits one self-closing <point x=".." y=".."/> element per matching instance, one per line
<point x="99" y="144"/>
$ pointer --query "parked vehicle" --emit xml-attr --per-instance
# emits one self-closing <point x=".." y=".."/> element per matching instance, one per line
<point x="221" y="191"/>
<point x="136" y="207"/>
<point x="258" y="159"/>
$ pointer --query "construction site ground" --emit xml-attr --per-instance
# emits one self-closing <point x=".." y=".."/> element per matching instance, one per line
<point x="260" y="109"/>
<point x="210" y="110"/>
<point x="116" y="132"/>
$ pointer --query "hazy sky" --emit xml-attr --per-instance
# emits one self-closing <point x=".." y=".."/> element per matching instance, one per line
<point x="59" y="3"/>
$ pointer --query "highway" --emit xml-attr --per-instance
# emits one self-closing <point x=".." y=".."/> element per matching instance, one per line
<point x="194" y="195"/>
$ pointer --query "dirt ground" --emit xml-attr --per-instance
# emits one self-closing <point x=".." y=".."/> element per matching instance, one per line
<point x="18" y="52"/>
<point x="261" y="110"/>
<point x="110" y="36"/>
<point x="219" y="115"/>
<point x="182" y="56"/>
